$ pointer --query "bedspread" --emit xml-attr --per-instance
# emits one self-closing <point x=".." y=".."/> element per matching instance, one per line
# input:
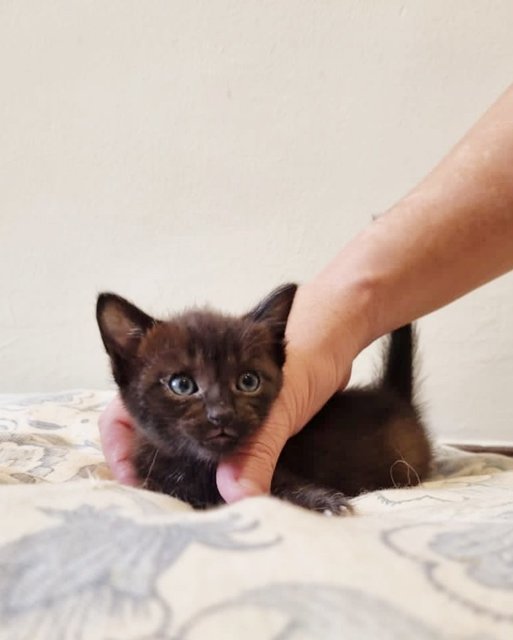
<point x="82" y="557"/>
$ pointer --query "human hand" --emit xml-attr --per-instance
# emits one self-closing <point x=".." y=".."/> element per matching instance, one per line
<point x="117" y="438"/>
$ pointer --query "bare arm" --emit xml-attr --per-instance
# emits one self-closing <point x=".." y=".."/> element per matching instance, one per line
<point x="451" y="234"/>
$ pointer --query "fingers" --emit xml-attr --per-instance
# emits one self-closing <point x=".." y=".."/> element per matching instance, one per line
<point x="249" y="472"/>
<point x="116" y="437"/>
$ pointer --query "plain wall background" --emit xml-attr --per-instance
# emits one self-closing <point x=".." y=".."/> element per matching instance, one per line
<point x="184" y="152"/>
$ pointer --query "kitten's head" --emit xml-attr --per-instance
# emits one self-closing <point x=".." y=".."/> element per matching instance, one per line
<point x="200" y="382"/>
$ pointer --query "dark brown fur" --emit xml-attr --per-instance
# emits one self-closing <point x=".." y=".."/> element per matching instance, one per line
<point x="362" y="439"/>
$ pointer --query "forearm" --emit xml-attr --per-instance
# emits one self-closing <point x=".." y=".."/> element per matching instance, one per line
<point x="452" y="233"/>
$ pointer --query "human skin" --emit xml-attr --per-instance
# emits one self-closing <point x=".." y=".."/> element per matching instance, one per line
<point x="452" y="233"/>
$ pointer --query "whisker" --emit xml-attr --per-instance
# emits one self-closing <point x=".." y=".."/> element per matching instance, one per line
<point x="150" y="469"/>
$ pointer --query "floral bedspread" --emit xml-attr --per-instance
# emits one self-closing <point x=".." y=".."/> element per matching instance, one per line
<point x="84" y="558"/>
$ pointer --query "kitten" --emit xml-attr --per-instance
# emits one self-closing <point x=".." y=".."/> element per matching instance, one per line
<point x="199" y="384"/>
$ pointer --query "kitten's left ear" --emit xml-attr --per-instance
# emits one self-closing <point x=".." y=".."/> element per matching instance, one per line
<point x="274" y="310"/>
<point x="122" y="326"/>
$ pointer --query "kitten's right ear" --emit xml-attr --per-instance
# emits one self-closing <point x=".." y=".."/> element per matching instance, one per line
<point x="122" y="326"/>
<point x="274" y="310"/>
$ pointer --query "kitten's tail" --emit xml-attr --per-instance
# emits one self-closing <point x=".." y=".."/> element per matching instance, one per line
<point x="398" y="371"/>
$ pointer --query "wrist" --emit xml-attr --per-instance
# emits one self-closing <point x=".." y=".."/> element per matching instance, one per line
<point x="330" y="323"/>
<point x="350" y="294"/>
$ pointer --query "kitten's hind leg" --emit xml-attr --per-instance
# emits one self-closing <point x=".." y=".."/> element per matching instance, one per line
<point x="288" y="486"/>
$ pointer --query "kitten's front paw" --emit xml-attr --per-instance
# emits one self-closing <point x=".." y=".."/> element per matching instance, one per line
<point x="327" y="501"/>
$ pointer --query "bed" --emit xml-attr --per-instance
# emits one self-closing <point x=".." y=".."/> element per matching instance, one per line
<point x="82" y="557"/>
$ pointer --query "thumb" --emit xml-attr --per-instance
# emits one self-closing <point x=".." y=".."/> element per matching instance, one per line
<point x="250" y="470"/>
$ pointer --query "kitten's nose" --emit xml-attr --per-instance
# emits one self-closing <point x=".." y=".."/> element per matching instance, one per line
<point x="220" y="416"/>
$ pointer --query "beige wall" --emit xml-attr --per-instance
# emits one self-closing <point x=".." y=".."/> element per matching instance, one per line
<point x="179" y="152"/>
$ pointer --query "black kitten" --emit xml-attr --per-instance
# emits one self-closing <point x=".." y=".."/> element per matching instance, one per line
<point x="199" y="384"/>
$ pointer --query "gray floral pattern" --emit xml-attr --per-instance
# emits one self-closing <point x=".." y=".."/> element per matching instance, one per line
<point x="313" y="611"/>
<point x="485" y="549"/>
<point x="98" y="560"/>
<point x="470" y="563"/>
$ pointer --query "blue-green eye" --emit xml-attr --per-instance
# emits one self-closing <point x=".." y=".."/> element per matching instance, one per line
<point x="249" y="381"/>
<point x="182" y="385"/>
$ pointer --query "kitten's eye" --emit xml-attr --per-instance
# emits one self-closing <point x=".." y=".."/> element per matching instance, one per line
<point x="182" y="385"/>
<point x="249" y="381"/>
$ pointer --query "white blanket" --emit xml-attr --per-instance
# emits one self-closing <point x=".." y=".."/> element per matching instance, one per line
<point x="83" y="558"/>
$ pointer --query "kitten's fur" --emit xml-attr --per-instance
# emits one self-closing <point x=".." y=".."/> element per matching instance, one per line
<point x="362" y="439"/>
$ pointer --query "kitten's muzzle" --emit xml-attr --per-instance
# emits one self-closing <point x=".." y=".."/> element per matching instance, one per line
<point x="221" y="439"/>
<point x="222" y="432"/>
